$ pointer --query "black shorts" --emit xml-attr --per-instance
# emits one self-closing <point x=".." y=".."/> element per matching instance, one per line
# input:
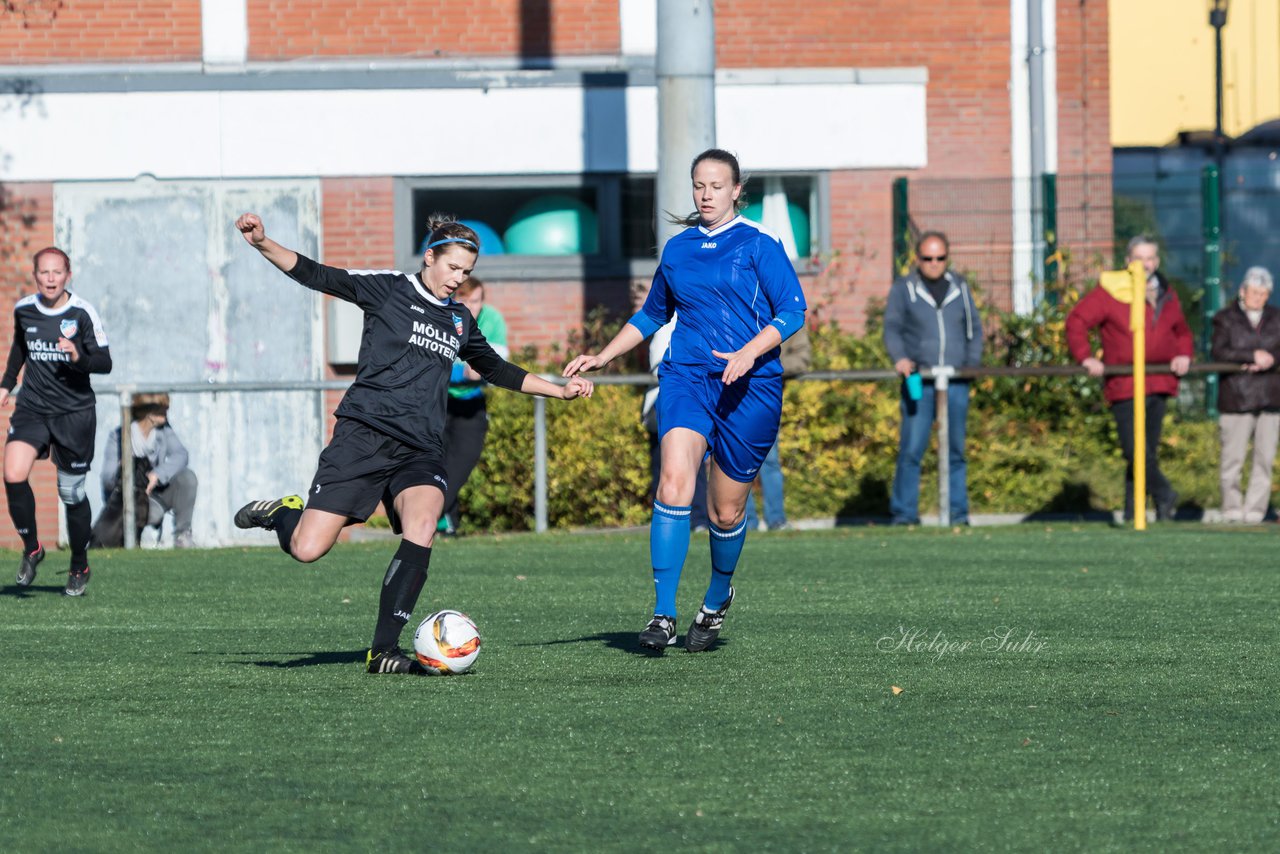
<point x="362" y="466"/>
<point x="69" y="436"/>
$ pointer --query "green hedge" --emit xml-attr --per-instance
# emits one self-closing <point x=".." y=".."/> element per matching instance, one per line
<point x="1034" y="445"/>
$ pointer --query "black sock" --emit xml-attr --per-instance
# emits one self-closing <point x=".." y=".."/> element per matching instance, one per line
<point x="22" y="510"/>
<point x="400" y="588"/>
<point x="286" y="520"/>
<point x="79" y="528"/>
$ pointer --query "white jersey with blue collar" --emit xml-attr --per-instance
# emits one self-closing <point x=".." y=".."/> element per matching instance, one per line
<point x="727" y="285"/>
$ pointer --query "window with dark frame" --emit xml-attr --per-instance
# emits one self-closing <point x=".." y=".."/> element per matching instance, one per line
<point x="606" y="222"/>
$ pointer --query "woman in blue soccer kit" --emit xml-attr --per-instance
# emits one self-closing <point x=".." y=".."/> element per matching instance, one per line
<point x="736" y="298"/>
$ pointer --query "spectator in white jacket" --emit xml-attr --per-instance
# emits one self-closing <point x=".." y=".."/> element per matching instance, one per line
<point x="161" y="475"/>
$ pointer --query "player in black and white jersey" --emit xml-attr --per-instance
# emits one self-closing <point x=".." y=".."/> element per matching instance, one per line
<point x="59" y="339"/>
<point x="387" y="445"/>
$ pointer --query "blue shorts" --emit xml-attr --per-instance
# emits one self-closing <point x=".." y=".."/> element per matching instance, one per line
<point x="739" y="421"/>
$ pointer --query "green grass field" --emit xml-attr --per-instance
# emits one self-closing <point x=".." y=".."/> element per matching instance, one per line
<point x="1090" y="689"/>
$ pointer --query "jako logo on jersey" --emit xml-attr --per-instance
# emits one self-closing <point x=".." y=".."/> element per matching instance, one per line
<point x="68" y="328"/>
<point x="708" y="244"/>
<point x="31" y="329"/>
<point x="457" y="324"/>
<point x="419" y="309"/>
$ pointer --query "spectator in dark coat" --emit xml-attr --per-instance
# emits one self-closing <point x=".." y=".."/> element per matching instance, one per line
<point x="1248" y="332"/>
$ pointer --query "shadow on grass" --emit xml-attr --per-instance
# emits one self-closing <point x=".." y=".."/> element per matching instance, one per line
<point x="24" y="592"/>
<point x="309" y="659"/>
<point x="625" y="642"/>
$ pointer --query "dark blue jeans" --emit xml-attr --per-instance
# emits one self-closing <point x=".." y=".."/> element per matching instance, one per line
<point x="917" y="426"/>
<point x="775" y="514"/>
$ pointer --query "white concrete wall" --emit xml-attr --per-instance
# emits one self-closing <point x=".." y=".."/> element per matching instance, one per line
<point x="184" y="299"/>
<point x="791" y="119"/>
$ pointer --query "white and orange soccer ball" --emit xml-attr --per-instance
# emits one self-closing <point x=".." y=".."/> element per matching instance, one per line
<point x="447" y="642"/>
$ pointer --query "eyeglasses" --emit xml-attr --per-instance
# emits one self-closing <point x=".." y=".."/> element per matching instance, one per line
<point x="929" y="258"/>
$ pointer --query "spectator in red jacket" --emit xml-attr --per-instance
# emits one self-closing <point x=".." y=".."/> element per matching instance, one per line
<point x="1168" y="339"/>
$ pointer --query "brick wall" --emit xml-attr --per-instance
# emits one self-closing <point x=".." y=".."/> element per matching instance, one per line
<point x="546" y="313"/>
<point x="357" y="233"/>
<point x="48" y="31"/>
<point x="1084" y="138"/>
<point x="861" y="235"/>
<point x="283" y="29"/>
<point x="965" y="44"/>
<point x="26" y="226"/>
<point x="56" y="31"/>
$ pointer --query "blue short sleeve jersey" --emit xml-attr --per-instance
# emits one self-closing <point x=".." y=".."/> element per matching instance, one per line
<point x="727" y="285"/>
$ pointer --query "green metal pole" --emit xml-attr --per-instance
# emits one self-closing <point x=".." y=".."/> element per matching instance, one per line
<point x="1052" y="261"/>
<point x="901" y="228"/>
<point x="1211" y="203"/>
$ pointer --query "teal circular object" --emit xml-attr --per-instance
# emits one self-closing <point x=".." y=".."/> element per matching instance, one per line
<point x="553" y="225"/>
<point x="490" y="242"/>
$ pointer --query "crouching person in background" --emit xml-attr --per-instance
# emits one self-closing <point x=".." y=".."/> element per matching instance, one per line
<point x="162" y="482"/>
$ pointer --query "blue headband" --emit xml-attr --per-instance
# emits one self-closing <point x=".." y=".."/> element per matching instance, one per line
<point x="461" y="240"/>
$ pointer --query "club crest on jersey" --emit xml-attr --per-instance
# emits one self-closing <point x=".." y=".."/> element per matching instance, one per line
<point x="457" y="324"/>
<point x="68" y="328"/>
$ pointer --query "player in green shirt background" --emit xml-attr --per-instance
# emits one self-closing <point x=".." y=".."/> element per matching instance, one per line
<point x="467" y="419"/>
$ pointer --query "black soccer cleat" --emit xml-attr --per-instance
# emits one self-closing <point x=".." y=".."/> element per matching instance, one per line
<point x="27" y="569"/>
<point x="705" y="627"/>
<point x="659" y="634"/>
<point x="393" y="661"/>
<point x="263" y="514"/>
<point x="76" y="582"/>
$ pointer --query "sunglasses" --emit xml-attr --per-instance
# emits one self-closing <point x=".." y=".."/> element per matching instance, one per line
<point x="927" y="258"/>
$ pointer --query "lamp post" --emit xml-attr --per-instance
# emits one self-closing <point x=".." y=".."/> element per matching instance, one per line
<point x="1217" y="20"/>
<point x="1211" y="193"/>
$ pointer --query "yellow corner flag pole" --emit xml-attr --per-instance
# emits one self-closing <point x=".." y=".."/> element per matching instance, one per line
<point x="1138" y="325"/>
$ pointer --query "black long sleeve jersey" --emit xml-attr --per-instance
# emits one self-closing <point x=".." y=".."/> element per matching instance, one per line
<point x="53" y="384"/>
<point x="407" y="350"/>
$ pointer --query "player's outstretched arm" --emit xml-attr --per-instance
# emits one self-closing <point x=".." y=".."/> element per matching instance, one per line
<point x="575" y="387"/>
<point x="250" y="225"/>
<point x="626" y="340"/>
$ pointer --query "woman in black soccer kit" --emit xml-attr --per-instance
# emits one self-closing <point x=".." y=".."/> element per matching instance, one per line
<point x="387" y="444"/>
<point x="59" y="339"/>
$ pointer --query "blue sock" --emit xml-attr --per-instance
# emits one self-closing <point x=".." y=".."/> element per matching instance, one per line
<point x="726" y="546"/>
<point x="668" y="545"/>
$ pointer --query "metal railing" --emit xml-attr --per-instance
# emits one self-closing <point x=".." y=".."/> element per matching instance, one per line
<point x="126" y="393"/>
<point x="942" y="378"/>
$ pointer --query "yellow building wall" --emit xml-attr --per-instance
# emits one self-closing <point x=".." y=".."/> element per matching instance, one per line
<point x="1162" y="69"/>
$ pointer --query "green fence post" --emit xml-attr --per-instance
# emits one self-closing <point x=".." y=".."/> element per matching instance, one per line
<point x="901" y="228"/>
<point x="1211" y="203"/>
<point x="1049" y="216"/>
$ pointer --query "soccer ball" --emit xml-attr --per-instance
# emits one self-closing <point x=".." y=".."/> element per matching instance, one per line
<point x="447" y="642"/>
